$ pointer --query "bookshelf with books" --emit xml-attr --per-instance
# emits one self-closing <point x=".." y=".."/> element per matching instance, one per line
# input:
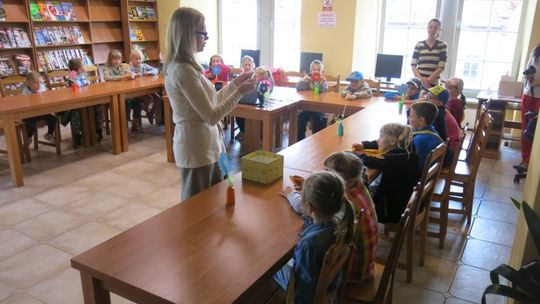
<point x="107" y="28"/>
<point x="142" y="28"/>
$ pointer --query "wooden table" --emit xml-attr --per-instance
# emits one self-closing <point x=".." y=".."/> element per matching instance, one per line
<point x="333" y="102"/>
<point x="198" y="251"/>
<point x="309" y="154"/>
<point x="15" y="108"/>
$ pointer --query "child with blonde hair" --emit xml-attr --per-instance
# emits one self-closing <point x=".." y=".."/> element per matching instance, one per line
<point x="34" y="85"/>
<point x="152" y="104"/>
<point x="399" y="169"/>
<point x="247" y="64"/>
<point x="323" y="196"/>
<point x="315" y="78"/>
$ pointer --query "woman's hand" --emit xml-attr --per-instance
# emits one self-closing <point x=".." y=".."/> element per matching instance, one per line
<point x="426" y="82"/>
<point x="246" y="83"/>
<point x="242" y="78"/>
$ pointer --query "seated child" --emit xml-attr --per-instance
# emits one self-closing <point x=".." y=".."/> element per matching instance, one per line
<point x="152" y="104"/>
<point x="399" y="170"/>
<point x="413" y="89"/>
<point x="358" y="87"/>
<point x="247" y="64"/>
<point x="425" y="137"/>
<point x="217" y="69"/>
<point x="350" y="168"/>
<point x="115" y="71"/>
<point x="453" y="131"/>
<point x="77" y="76"/>
<point x="323" y="196"/>
<point x="438" y="96"/>
<point x="457" y="102"/>
<point x="318" y="122"/>
<point x="34" y="85"/>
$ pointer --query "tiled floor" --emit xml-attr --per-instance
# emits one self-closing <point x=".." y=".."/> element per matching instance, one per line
<point x="73" y="202"/>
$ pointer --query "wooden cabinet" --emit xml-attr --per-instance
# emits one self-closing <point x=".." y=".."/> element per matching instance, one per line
<point x="89" y="28"/>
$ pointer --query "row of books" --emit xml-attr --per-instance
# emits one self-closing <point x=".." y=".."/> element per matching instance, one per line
<point x="14" y="37"/>
<point x="23" y="65"/>
<point x="58" y="35"/>
<point x="135" y="33"/>
<point x="52" y="11"/>
<point x="58" y="59"/>
<point x="141" y="13"/>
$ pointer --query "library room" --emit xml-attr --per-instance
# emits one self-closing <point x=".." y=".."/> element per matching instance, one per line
<point x="176" y="151"/>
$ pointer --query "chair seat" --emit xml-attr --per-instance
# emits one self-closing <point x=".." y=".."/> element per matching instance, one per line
<point x="365" y="291"/>
<point x="461" y="173"/>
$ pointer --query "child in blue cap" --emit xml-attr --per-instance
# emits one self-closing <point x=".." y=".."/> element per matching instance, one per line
<point x="358" y="87"/>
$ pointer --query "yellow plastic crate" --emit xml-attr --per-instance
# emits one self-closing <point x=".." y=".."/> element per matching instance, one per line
<point x="262" y="166"/>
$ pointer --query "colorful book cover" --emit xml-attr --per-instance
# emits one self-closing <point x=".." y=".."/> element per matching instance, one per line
<point x="23" y="63"/>
<point x="51" y="10"/>
<point x="77" y="35"/>
<point x="69" y="12"/>
<point x="24" y="38"/>
<point x="34" y="11"/>
<point x="140" y="14"/>
<point x="132" y="36"/>
<point x="4" y="39"/>
<point x="6" y="69"/>
<point x="151" y="13"/>
<point x="2" y="11"/>
<point x="42" y="63"/>
<point x="139" y="34"/>
<point x="59" y="11"/>
<point x="43" y="10"/>
<point x="11" y="37"/>
<point x="134" y="14"/>
<point x="47" y="36"/>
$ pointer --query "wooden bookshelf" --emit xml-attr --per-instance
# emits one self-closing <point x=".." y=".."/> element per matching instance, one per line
<point x="136" y="15"/>
<point x="104" y="25"/>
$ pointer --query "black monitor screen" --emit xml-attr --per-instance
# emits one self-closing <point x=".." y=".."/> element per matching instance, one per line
<point x="388" y="66"/>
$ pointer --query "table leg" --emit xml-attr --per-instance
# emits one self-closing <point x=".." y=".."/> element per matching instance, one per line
<point x="293" y="125"/>
<point x="268" y="128"/>
<point x="93" y="293"/>
<point x="252" y="135"/>
<point x="85" y="127"/>
<point x="13" y="153"/>
<point x="123" y="122"/>
<point x="92" y="125"/>
<point x="115" y="125"/>
<point x="169" y="128"/>
<point x="279" y="130"/>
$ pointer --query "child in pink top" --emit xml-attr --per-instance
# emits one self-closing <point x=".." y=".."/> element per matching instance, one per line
<point x="217" y="69"/>
<point x="452" y="131"/>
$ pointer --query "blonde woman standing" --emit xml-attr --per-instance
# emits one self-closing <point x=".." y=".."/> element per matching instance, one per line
<point x="197" y="107"/>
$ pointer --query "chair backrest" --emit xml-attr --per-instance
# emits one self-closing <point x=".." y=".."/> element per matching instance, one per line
<point x="236" y="71"/>
<point x="57" y="79"/>
<point x="92" y="73"/>
<point x="478" y="142"/>
<point x="375" y="86"/>
<point x="387" y="280"/>
<point x="12" y="85"/>
<point x="334" y="82"/>
<point x="430" y="174"/>
<point x="306" y="58"/>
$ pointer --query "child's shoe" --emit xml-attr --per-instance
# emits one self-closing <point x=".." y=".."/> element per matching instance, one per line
<point x="49" y="137"/>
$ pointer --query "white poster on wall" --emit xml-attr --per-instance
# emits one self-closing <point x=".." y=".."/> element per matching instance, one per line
<point x="327" y="19"/>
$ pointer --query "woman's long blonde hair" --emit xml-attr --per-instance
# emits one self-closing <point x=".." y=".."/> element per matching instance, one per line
<point x="181" y="37"/>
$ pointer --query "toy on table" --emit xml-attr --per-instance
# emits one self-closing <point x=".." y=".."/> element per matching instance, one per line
<point x="265" y="84"/>
<point x="316" y="81"/>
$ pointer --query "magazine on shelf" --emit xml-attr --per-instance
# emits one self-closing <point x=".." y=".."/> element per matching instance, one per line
<point x="11" y="37"/>
<point x="2" y="11"/>
<point x="4" y="39"/>
<point x="42" y="63"/>
<point x="59" y="11"/>
<point x="43" y="11"/>
<point x="134" y="14"/>
<point x="141" y="15"/>
<point x="51" y="10"/>
<point x="151" y="13"/>
<point x="6" y="69"/>
<point x="21" y="37"/>
<point x="34" y="11"/>
<point x="23" y="63"/>
<point x="69" y="12"/>
<point x="77" y="35"/>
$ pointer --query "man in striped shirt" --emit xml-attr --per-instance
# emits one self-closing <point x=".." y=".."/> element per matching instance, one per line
<point x="429" y="57"/>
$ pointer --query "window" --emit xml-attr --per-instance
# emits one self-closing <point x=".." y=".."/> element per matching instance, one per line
<point x="239" y="29"/>
<point x="485" y="35"/>
<point x="286" y="52"/>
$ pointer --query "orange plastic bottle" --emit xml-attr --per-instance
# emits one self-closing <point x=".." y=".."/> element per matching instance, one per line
<point x="230" y="195"/>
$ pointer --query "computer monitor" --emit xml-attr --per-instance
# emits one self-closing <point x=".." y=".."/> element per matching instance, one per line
<point x="255" y="54"/>
<point x="388" y="66"/>
<point x="306" y="59"/>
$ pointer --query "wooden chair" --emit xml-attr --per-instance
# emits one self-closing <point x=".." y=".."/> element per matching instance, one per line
<point x="334" y="263"/>
<point x="92" y="74"/>
<point x="442" y="192"/>
<point x="22" y="142"/>
<point x="375" y="86"/>
<point x="464" y="176"/>
<point x="9" y="81"/>
<point x="57" y="79"/>
<point x="380" y="289"/>
<point x="333" y="87"/>
<point x="292" y="84"/>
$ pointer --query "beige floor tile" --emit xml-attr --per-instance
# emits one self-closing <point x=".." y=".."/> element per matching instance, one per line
<point x="453" y="246"/>
<point x="96" y="204"/>
<point x="407" y="293"/>
<point x="163" y="198"/>
<point x="103" y="180"/>
<point x="64" y="287"/>
<point x="436" y="274"/>
<point x="50" y="224"/>
<point x="33" y="265"/>
<point x="169" y="176"/>
<point x="5" y="291"/>
<point x="469" y="284"/>
<point x="493" y="231"/>
<point x="21" y="299"/>
<point x="63" y="195"/>
<point x="504" y="212"/>
<point x="485" y="255"/>
<point x="13" y="242"/>
<point x="502" y="195"/>
<point x="456" y="301"/>
<point x="19" y="211"/>
<point x="84" y="237"/>
<point x="137" y="168"/>
<point x="505" y="181"/>
<point x="132" y="189"/>
<point x="129" y="216"/>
